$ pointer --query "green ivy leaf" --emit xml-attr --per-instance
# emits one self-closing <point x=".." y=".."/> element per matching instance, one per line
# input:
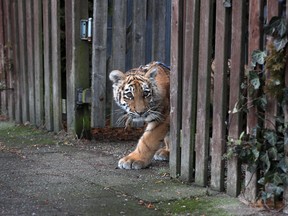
<point x="276" y="25"/>
<point x="273" y="153"/>
<point x="271" y="137"/>
<point x="254" y="79"/>
<point x="255" y="153"/>
<point x="277" y="180"/>
<point x="284" y="178"/>
<point x="258" y="56"/>
<point x="283" y="165"/>
<point x="280" y="43"/>
<point x="265" y="158"/>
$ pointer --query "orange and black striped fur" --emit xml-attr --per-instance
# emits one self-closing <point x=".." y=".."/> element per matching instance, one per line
<point x="144" y="94"/>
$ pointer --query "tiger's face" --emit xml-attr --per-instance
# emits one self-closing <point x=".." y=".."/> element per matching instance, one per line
<point x="136" y="93"/>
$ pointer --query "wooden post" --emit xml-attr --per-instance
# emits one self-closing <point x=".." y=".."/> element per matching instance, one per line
<point x="285" y="193"/>
<point x="77" y="67"/>
<point x="118" y="47"/>
<point x="56" y="67"/>
<point x="138" y="32"/>
<point x="16" y="60"/>
<point x="158" y="30"/>
<point x="176" y="86"/>
<point x="271" y="106"/>
<point x="237" y="70"/>
<point x="38" y="62"/>
<point x="30" y="60"/>
<point x="2" y="46"/>
<point x="220" y="97"/>
<point x="47" y="65"/>
<point x="190" y="71"/>
<point x="203" y="97"/>
<point x="8" y="53"/>
<point x="99" y="50"/>
<point x="23" y="87"/>
<point x="254" y="43"/>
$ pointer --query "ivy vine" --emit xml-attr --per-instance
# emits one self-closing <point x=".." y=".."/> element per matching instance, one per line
<point x="263" y="149"/>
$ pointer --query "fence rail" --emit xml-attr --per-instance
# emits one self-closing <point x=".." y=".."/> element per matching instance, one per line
<point x="44" y="65"/>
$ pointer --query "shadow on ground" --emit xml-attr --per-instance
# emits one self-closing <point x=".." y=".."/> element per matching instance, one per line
<point x="44" y="174"/>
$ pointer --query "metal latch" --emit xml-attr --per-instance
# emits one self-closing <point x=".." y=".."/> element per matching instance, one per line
<point x="86" y="29"/>
<point x="83" y="96"/>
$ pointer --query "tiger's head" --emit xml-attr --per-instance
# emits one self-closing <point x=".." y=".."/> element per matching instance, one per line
<point x="140" y="94"/>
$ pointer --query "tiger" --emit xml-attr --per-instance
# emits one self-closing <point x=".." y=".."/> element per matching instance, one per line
<point x="144" y="94"/>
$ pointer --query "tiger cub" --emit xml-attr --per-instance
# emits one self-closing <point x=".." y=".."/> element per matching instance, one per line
<point x="144" y="94"/>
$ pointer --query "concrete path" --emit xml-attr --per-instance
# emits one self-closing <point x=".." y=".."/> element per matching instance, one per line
<point x="44" y="175"/>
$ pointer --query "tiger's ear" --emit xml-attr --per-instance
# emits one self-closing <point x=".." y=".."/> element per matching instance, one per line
<point x="152" y="74"/>
<point x="116" y="75"/>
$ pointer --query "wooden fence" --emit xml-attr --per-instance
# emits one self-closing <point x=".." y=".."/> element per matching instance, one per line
<point x="42" y="84"/>
<point x="200" y="31"/>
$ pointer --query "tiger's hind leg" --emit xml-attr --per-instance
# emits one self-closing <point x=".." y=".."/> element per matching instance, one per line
<point x="163" y="153"/>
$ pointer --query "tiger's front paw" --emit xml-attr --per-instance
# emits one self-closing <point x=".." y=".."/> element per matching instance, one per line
<point x="129" y="162"/>
<point x="162" y="155"/>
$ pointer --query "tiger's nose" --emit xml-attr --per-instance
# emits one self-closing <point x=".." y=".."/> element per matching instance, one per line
<point x="140" y="113"/>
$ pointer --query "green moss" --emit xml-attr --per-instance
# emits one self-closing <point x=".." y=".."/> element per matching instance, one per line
<point x="15" y="136"/>
<point x="200" y="206"/>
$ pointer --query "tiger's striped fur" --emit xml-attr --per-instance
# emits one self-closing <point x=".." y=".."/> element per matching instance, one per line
<point x="144" y="94"/>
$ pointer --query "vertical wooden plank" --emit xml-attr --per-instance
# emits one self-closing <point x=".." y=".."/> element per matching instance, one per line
<point x="190" y="71"/>
<point x="158" y="30"/>
<point x="118" y="47"/>
<point x="2" y="46"/>
<point x="16" y="61"/>
<point x="56" y="67"/>
<point x="254" y="43"/>
<point x="138" y="32"/>
<point x="271" y="107"/>
<point x="38" y="62"/>
<point x="285" y="193"/>
<point x="77" y="67"/>
<point x="9" y="69"/>
<point x="203" y="96"/>
<point x="220" y="97"/>
<point x="48" y="103"/>
<point x="99" y="48"/>
<point x="175" y="86"/>
<point x="23" y="60"/>
<point x="237" y="69"/>
<point x="30" y="60"/>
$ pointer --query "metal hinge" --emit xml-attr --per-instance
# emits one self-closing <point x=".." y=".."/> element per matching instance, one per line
<point x="86" y="29"/>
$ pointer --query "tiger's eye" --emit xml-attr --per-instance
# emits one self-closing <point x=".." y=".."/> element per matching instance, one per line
<point x="146" y="93"/>
<point x="129" y="95"/>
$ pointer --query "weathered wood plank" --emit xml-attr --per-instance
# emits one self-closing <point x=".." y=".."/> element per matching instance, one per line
<point x="77" y="67"/>
<point x="138" y="32"/>
<point x="118" y="48"/>
<point x="175" y="86"/>
<point x="190" y="71"/>
<point x="8" y="53"/>
<point x="203" y="95"/>
<point x="2" y="46"/>
<point x="271" y="107"/>
<point x="237" y="68"/>
<point x="30" y="61"/>
<point x="158" y="30"/>
<point x="56" y="67"/>
<point x="48" y="103"/>
<point x="23" y="61"/>
<point x="38" y="62"/>
<point x="16" y="61"/>
<point x="285" y="193"/>
<point x="254" y="43"/>
<point x="99" y="48"/>
<point x="220" y="97"/>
